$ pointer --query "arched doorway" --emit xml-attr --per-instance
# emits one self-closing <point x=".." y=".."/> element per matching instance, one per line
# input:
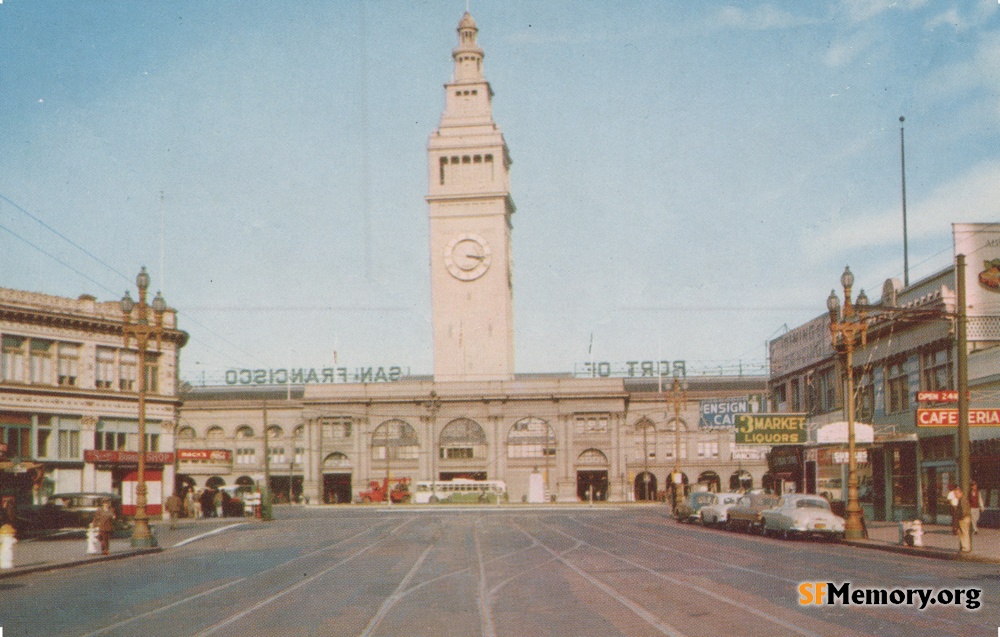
<point x="592" y="475"/>
<point x="215" y="482"/>
<point x="710" y="480"/>
<point x="740" y="481"/>
<point x="337" y="479"/>
<point x="645" y="487"/>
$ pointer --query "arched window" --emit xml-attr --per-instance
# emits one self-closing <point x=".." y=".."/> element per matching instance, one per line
<point x="186" y="433"/>
<point x="644" y="439"/>
<point x="215" y="432"/>
<point x="299" y="432"/>
<point x="397" y="438"/>
<point x="531" y="438"/>
<point x="462" y="439"/>
<point x="592" y="458"/>
<point x="336" y="460"/>
<point x="244" y="431"/>
<point x="274" y="431"/>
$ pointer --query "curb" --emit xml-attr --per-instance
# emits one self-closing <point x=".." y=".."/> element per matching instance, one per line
<point x="15" y="572"/>
<point x="927" y="552"/>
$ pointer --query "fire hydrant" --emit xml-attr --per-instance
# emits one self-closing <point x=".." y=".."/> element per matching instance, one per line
<point x="917" y="533"/>
<point x="93" y="543"/>
<point x="7" y="541"/>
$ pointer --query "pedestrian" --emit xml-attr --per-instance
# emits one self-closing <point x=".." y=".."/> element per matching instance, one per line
<point x="174" y="508"/>
<point x="962" y="520"/>
<point x="953" y="498"/>
<point x="218" y="500"/>
<point x="976" y="504"/>
<point x="189" y="504"/>
<point x="104" y="520"/>
<point x="208" y="502"/>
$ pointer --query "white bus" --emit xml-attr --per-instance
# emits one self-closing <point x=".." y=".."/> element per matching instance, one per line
<point x="460" y="490"/>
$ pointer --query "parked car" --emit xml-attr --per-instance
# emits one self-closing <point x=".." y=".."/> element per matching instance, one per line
<point x="687" y="511"/>
<point x="716" y="512"/>
<point x="745" y="514"/>
<point x="67" y="511"/>
<point x="800" y="514"/>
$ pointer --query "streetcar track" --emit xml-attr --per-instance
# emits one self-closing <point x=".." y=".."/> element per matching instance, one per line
<point x="217" y="589"/>
<point x="396" y="594"/>
<point x="640" y="611"/>
<point x="940" y="620"/>
<point x="294" y="587"/>
<point x="694" y="587"/>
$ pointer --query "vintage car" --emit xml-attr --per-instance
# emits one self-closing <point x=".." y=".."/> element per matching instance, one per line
<point x="65" y="512"/>
<point x="688" y="510"/>
<point x="745" y="514"/>
<point x="800" y="514"/>
<point x="716" y="511"/>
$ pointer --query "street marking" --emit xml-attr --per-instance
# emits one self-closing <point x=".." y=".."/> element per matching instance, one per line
<point x="157" y="610"/>
<point x="646" y="615"/>
<point x="212" y="532"/>
<point x="396" y="594"/>
<point x="485" y="603"/>
<point x="290" y="589"/>
<point x="703" y="591"/>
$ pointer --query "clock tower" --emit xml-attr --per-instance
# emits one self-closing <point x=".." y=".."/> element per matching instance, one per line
<point x="470" y="209"/>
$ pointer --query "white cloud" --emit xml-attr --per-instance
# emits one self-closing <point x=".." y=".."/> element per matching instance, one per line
<point x="862" y="10"/>
<point x="971" y="197"/>
<point x="846" y="51"/>
<point x="949" y="18"/>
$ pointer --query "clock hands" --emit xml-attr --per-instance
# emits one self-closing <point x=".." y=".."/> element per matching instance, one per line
<point x="477" y="257"/>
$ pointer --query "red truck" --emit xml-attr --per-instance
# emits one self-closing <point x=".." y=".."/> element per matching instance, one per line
<point x="376" y="491"/>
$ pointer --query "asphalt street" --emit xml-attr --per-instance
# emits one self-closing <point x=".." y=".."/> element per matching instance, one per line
<point x="604" y="571"/>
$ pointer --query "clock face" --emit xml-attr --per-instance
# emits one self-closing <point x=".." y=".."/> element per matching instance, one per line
<point x="467" y="257"/>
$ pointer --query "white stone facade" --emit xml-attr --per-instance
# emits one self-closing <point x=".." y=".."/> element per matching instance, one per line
<point x="69" y="388"/>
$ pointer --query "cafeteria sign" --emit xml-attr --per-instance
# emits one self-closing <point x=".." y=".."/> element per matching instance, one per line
<point x="770" y="429"/>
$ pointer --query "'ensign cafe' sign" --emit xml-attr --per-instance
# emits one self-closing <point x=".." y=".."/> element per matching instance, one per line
<point x="770" y="429"/>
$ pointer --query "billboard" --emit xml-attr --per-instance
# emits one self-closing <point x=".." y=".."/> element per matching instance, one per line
<point x="770" y="429"/>
<point x="720" y="413"/>
<point x="980" y="243"/>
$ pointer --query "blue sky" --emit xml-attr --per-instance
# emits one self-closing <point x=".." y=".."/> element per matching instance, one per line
<point x="690" y="178"/>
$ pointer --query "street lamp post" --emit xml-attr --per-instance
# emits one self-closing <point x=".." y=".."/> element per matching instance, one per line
<point x="846" y="325"/>
<point x="142" y="330"/>
<point x="678" y="396"/>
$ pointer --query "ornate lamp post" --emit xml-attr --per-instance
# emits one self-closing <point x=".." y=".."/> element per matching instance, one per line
<point x="678" y="396"/>
<point x="845" y="327"/>
<point x="142" y="330"/>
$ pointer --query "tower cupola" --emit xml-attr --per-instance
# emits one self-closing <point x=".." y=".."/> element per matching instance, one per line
<point x="468" y="56"/>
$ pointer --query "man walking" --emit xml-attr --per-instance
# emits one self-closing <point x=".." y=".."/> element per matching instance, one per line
<point x="962" y="519"/>
<point x="174" y="507"/>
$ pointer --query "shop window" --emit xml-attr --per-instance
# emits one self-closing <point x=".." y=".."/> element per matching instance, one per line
<point x="897" y="395"/>
<point x="13" y="358"/>
<point x="110" y="441"/>
<point x="18" y="439"/>
<point x="936" y="370"/>
<point x="591" y="423"/>
<point x="69" y="363"/>
<point x="127" y="366"/>
<point x="152" y="374"/>
<point x="105" y="372"/>
<point x="42" y="438"/>
<point x="69" y="445"/>
<point x="796" y="395"/>
<point x="41" y="362"/>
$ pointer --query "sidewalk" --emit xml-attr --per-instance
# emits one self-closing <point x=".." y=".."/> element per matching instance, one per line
<point x="939" y="543"/>
<point x="34" y="555"/>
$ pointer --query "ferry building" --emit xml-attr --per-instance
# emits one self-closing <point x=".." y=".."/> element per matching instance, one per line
<point x="611" y="438"/>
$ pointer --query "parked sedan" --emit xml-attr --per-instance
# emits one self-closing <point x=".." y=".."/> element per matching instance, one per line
<point x="717" y="510"/>
<point x="688" y="511"/>
<point x="800" y="514"/>
<point x="745" y="514"/>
